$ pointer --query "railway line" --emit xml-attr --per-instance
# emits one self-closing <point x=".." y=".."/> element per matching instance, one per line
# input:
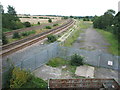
<point x="20" y="44"/>
<point x="32" y="28"/>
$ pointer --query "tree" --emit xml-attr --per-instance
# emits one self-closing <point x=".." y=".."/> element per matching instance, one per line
<point x="11" y="10"/>
<point x="105" y="21"/>
<point x="1" y="9"/>
<point x="49" y="20"/>
<point x="71" y="16"/>
<point x="116" y="25"/>
<point x="110" y="11"/>
<point x="4" y="39"/>
<point x="65" y="17"/>
<point x="10" y="19"/>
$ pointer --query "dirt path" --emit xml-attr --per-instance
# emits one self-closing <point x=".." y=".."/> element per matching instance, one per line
<point x="90" y="39"/>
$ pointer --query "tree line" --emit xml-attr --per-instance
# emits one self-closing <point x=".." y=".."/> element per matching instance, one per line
<point x="109" y="22"/>
<point x="10" y="20"/>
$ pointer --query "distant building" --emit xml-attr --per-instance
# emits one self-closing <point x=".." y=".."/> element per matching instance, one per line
<point x="86" y="83"/>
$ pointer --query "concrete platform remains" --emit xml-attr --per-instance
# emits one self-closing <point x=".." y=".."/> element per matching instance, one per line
<point x="85" y="71"/>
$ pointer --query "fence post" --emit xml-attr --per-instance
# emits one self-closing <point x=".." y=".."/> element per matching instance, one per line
<point x="99" y="59"/>
<point x="21" y="64"/>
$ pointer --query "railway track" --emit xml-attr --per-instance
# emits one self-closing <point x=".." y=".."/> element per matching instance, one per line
<point x="20" y="44"/>
<point x="32" y="28"/>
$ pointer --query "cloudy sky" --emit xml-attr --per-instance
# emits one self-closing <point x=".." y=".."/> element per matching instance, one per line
<point x="62" y="7"/>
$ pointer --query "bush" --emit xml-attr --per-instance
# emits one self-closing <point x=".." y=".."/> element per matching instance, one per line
<point x="16" y="35"/>
<point x="4" y="39"/>
<point x="24" y="34"/>
<point x="51" y="38"/>
<point x="24" y="79"/>
<point x="55" y="24"/>
<point x="48" y="27"/>
<point x="49" y="20"/>
<point x="38" y="23"/>
<point x="19" y="78"/>
<point x="27" y="24"/>
<point x="76" y="60"/>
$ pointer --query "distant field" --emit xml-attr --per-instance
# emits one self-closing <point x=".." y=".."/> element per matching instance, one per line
<point x="36" y="19"/>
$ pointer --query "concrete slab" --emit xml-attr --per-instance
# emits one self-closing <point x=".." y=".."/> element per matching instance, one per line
<point x="85" y="71"/>
<point x="46" y="72"/>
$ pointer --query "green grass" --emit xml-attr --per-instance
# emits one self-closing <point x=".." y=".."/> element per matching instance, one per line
<point x="56" y="62"/>
<point x="84" y="24"/>
<point x="72" y="39"/>
<point x="113" y="47"/>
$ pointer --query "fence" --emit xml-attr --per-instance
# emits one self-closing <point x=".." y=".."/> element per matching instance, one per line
<point x="36" y="56"/>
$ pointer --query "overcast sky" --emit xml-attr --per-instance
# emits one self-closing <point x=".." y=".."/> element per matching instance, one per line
<point x="62" y="7"/>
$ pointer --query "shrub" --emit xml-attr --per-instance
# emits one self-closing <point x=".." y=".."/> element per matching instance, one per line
<point x="19" y="78"/>
<point x="49" y="20"/>
<point x="51" y="38"/>
<point x="23" y="79"/>
<point x="38" y="23"/>
<point x="24" y="34"/>
<point x="86" y="19"/>
<point x="27" y="24"/>
<point x="16" y="35"/>
<point x="76" y="60"/>
<point x="4" y="39"/>
<point x="55" y="24"/>
<point x="27" y="33"/>
<point x="35" y="82"/>
<point x="48" y="27"/>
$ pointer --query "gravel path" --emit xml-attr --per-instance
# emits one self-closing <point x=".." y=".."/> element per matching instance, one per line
<point x="90" y="39"/>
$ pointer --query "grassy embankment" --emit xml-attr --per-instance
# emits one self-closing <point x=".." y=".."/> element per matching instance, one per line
<point x="80" y="26"/>
<point x="28" y="33"/>
<point x="112" y="40"/>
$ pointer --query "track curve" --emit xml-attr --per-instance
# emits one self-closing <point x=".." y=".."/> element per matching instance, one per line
<point x="20" y="44"/>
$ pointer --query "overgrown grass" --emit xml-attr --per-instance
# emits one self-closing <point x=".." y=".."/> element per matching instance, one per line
<point x="113" y="47"/>
<point x="84" y="24"/>
<point x="22" y="35"/>
<point x="25" y="79"/>
<point x="35" y="82"/>
<point x="56" y="62"/>
<point x="72" y="38"/>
